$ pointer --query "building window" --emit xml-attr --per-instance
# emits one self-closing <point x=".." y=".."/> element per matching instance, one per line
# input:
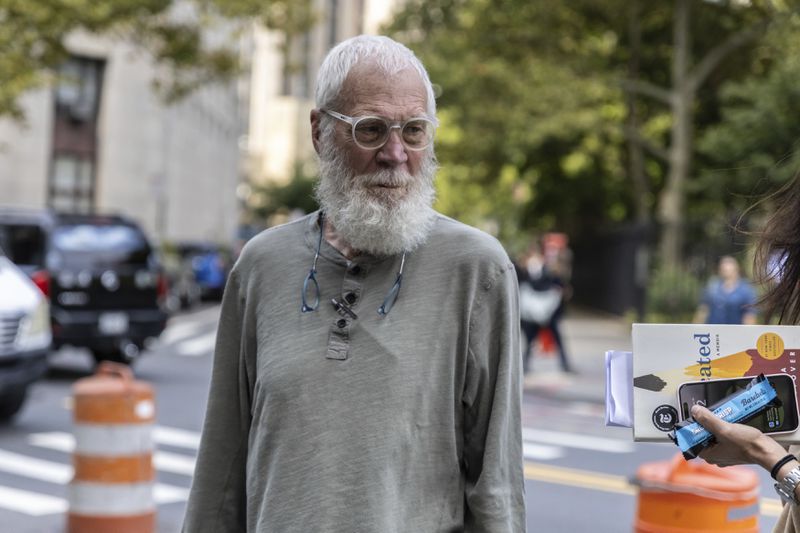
<point x="71" y="184"/>
<point x="77" y="93"/>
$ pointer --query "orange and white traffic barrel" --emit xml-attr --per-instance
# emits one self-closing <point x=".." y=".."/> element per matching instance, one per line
<point x="677" y="496"/>
<point x="112" y="489"/>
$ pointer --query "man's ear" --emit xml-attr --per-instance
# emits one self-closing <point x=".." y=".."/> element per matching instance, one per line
<point x="315" y="129"/>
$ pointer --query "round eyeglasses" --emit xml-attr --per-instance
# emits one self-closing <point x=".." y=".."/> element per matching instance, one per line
<point x="372" y="133"/>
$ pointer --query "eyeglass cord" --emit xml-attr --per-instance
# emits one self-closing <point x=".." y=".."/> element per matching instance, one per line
<point x="388" y="301"/>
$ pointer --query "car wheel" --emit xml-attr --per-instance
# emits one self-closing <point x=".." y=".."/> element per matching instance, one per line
<point x="11" y="402"/>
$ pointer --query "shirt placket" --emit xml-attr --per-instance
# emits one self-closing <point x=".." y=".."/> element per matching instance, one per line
<point x="342" y="326"/>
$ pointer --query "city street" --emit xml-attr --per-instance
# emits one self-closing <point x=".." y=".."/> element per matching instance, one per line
<point x="576" y="469"/>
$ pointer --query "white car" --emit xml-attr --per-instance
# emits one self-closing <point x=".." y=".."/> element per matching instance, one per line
<point x="25" y="336"/>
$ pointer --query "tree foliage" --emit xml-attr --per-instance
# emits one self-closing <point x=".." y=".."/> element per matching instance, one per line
<point x="33" y="33"/>
<point x="754" y="145"/>
<point x="535" y="121"/>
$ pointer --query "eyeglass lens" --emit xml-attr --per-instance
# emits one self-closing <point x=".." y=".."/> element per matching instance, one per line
<point x="372" y="132"/>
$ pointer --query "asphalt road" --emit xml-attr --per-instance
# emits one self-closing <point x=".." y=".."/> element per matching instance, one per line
<point x="576" y="469"/>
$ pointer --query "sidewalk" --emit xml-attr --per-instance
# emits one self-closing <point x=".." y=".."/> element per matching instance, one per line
<point x="587" y="336"/>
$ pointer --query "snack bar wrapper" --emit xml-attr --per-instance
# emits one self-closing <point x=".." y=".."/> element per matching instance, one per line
<point x="740" y="406"/>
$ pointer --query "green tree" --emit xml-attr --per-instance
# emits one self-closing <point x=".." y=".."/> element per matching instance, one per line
<point x="32" y="35"/>
<point x="527" y="139"/>
<point x="755" y="146"/>
<point x="581" y="114"/>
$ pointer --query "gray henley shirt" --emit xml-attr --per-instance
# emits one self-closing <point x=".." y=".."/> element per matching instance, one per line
<point x="409" y="422"/>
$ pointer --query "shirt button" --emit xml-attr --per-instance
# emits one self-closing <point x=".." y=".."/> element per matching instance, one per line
<point x="350" y="298"/>
<point x="355" y="270"/>
<point x="341" y="323"/>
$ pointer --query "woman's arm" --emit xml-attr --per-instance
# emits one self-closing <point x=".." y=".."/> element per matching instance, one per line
<point x="740" y="444"/>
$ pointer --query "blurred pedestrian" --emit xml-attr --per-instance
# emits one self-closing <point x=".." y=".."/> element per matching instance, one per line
<point x="541" y="305"/>
<point x="778" y="259"/>
<point x="366" y="371"/>
<point x="728" y="298"/>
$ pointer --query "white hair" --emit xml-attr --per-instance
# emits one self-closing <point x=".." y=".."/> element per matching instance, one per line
<point x="390" y="57"/>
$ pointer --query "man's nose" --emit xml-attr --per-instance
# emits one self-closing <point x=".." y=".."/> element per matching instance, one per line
<point x="393" y="153"/>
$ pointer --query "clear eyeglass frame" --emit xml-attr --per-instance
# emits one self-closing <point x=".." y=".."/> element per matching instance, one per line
<point x="354" y="122"/>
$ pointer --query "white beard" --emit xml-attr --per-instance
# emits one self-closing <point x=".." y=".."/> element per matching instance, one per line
<point x="372" y="220"/>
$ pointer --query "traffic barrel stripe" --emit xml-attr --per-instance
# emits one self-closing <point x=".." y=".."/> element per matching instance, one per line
<point x="117" y="524"/>
<point x="134" y="468"/>
<point x="110" y="499"/>
<point x="101" y="406"/>
<point x="113" y="439"/>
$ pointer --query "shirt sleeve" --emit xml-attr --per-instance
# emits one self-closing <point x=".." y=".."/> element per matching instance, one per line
<point x="492" y="454"/>
<point x="217" y="500"/>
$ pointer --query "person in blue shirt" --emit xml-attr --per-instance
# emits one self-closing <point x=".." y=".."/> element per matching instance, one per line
<point x="728" y="299"/>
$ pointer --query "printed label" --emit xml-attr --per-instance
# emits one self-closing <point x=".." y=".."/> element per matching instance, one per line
<point x="665" y="417"/>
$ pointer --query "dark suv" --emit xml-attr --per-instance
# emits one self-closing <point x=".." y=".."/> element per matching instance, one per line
<point x="106" y="287"/>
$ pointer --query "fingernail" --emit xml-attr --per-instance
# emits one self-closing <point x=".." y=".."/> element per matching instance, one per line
<point x="695" y="410"/>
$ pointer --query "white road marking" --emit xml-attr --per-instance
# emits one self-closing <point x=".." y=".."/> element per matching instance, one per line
<point x="164" y="461"/>
<point x="178" y="332"/>
<point x="201" y="345"/>
<point x="176" y="437"/>
<point x="54" y="440"/>
<point x="540" y="452"/>
<point x="173" y="462"/>
<point x="31" y="503"/>
<point x="589" y="409"/>
<point x="574" y="440"/>
<point x="30" y="467"/>
<point x="61" y="474"/>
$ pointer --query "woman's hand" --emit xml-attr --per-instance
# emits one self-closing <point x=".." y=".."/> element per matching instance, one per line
<point x="737" y="443"/>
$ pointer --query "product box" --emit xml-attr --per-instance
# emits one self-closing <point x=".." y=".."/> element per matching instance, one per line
<point x="667" y="355"/>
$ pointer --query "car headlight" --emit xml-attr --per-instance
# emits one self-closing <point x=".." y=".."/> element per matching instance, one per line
<point x="34" y="329"/>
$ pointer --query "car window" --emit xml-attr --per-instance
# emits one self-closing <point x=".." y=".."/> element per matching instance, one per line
<point x="23" y="244"/>
<point x="87" y="244"/>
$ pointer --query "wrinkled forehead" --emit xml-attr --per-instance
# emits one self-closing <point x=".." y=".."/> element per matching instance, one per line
<point x="369" y="89"/>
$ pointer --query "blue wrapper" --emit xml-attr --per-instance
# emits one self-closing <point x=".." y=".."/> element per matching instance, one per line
<point x="741" y="406"/>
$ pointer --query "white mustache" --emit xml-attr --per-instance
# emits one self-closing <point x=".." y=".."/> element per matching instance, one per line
<point x="385" y="179"/>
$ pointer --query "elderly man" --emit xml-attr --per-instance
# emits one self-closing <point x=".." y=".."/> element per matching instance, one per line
<point x="366" y="372"/>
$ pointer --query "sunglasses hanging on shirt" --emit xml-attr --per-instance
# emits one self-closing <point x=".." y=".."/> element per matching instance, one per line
<point x="310" y="285"/>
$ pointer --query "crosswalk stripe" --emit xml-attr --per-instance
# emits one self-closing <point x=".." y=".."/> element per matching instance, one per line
<point x="197" y="346"/>
<point x="173" y="462"/>
<point x="61" y="474"/>
<point x="179" y="332"/>
<point x="31" y="467"/>
<point x="540" y="452"/>
<point x="176" y="437"/>
<point x="31" y="503"/>
<point x="65" y="442"/>
<point x="574" y="440"/>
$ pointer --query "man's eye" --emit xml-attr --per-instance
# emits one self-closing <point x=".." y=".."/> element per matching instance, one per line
<point x="370" y="130"/>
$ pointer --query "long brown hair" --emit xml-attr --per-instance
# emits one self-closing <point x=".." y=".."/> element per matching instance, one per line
<point x="777" y="257"/>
